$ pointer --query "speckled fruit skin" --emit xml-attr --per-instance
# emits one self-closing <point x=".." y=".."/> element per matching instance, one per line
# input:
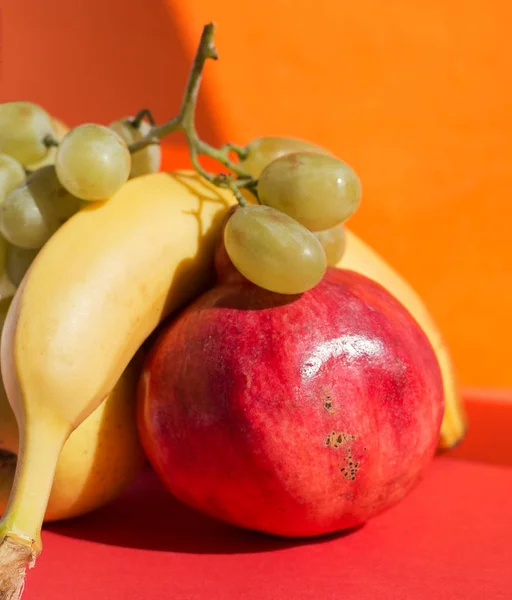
<point x="295" y="416"/>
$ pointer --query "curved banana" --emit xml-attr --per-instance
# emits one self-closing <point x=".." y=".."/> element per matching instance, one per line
<point x="93" y="294"/>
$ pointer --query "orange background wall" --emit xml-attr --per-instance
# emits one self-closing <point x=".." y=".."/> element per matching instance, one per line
<point x="417" y="96"/>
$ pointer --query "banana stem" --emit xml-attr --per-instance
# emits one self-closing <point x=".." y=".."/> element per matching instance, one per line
<point x="20" y="527"/>
<point x="185" y="122"/>
<point x="15" y="559"/>
<point x="40" y="448"/>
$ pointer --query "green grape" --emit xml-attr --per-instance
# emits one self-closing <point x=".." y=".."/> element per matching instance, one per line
<point x="34" y="211"/>
<point x="262" y="151"/>
<point x="334" y="242"/>
<point x="317" y="190"/>
<point x="17" y="262"/>
<point x="273" y="251"/>
<point x="23" y="128"/>
<point x="60" y="130"/>
<point x="92" y="162"/>
<point x="12" y="174"/>
<point x="146" y="160"/>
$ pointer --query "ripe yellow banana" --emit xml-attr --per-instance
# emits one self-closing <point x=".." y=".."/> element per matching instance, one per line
<point x="94" y="293"/>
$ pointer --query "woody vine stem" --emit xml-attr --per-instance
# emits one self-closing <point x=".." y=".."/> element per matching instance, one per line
<point x="185" y="122"/>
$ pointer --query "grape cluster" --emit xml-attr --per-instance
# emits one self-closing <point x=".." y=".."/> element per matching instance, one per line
<point x="282" y="243"/>
<point x="285" y="243"/>
<point x="48" y="172"/>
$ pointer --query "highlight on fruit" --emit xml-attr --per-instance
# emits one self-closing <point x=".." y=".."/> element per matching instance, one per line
<point x="304" y="377"/>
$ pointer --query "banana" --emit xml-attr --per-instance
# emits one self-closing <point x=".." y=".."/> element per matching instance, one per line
<point x="91" y="297"/>
<point x="361" y="258"/>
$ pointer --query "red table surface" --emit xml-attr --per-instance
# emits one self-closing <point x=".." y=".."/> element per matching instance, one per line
<point x="450" y="539"/>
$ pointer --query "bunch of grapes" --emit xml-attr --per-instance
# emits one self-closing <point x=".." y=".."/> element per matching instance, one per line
<point x="285" y="243"/>
<point x="48" y="172"/>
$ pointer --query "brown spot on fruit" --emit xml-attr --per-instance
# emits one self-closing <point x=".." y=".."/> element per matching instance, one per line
<point x="336" y="439"/>
<point x="351" y="466"/>
<point x="328" y="403"/>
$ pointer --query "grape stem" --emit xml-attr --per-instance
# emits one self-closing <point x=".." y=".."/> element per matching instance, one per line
<point x="144" y="113"/>
<point x="185" y="122"/>
<point x="50" y="141"/>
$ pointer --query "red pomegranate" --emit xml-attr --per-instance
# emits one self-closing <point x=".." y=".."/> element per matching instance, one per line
<point x="295" y="416"/>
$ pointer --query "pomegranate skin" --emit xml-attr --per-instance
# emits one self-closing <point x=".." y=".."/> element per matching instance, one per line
<point x="296" y="416"/>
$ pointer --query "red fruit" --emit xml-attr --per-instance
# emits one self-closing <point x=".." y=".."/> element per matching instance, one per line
<point x="296" y="415"/>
